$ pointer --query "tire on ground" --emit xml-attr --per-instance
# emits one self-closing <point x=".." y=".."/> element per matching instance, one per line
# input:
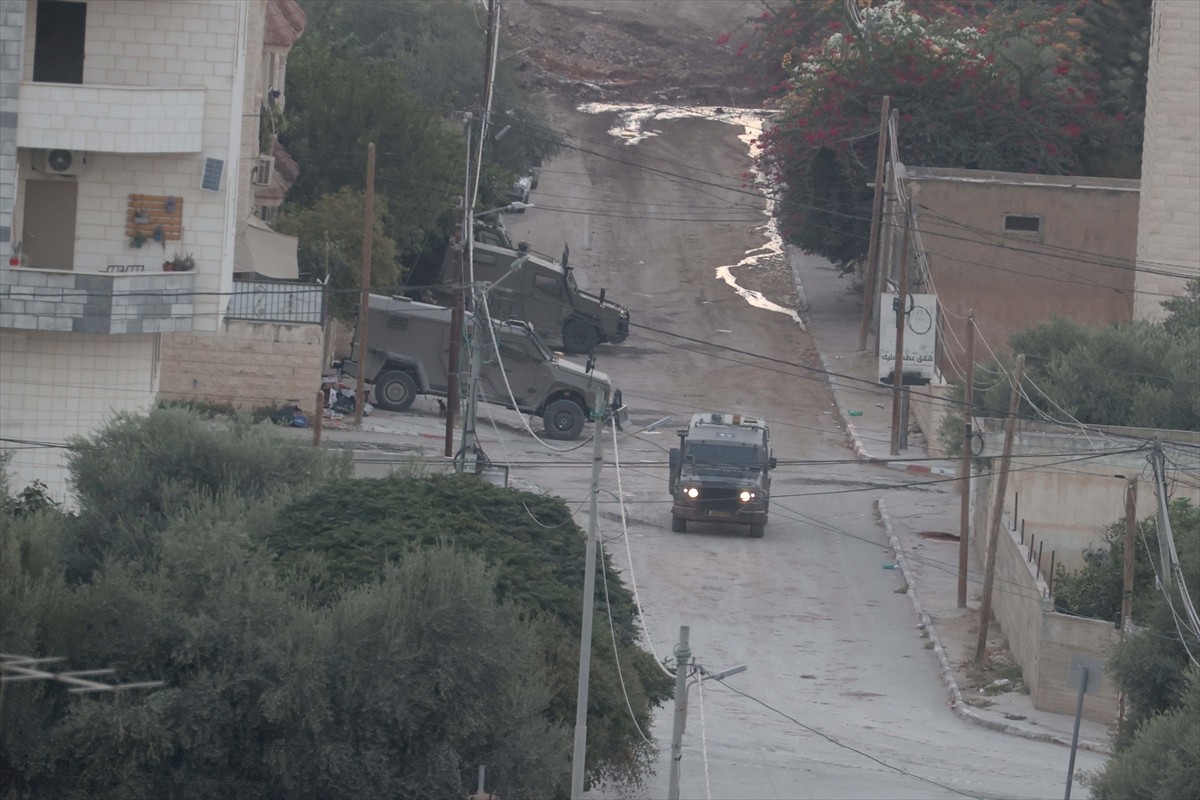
<point x="678" y="524"/>
<point x="579" y="336"/>
<point x="563" y="419"/>
<point x="395" y="391"/>
<point x="757" y="530"/>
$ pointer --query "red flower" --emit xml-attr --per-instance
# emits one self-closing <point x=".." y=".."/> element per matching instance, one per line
<point x="1024" y="102"/>
<point x="835" y="26"/>
<point x="1052" y="148"/>
<point x="1062" y="69"/>
<point x="1071" y="130"/>
<point x="1119" y="117"/>
<point x="723" y="38"/>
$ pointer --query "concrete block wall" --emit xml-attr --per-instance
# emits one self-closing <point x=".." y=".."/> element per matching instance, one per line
<point x="57" y="385"/>
<point x="1063" y="637"/>
<point x="34" y="299"/>
<point x="251" y="364"/>
<point x="1169" y="217"/>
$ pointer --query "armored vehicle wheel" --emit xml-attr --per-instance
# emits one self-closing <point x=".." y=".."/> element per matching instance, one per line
<point x="563" y="419"/>
<point x="579" y="336"/>
<point x="678" y="524"/>
<point x="395" y="391"/>
<point x="757" y="531"/>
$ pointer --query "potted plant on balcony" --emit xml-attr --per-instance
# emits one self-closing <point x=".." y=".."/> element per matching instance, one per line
<point x="141" y="216"/>
<point x="137" y="239"/>
<point x="179" y="262"/>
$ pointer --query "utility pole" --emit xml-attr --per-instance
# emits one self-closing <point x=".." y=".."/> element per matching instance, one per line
<point x="1129" y="545"/>
<point x="901" y="324"/>
<point x="364" y="301"/>
<point x="989" y="577"/>
<point x="964" y="472"/>
<point x="589" y="600"/>
<point x="868" y="308"/>
<point x="683" y="657"/>
<point x="456" y="328"/>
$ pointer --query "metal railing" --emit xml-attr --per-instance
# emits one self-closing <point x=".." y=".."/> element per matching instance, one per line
<point x="273" y="301"/>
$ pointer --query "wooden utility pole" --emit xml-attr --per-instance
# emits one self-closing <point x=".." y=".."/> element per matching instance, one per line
<point x="457" y="314"/>
<point x="899" y="419"/>
<point x="318" y="417"/>
<point x="364" y="300"/>
<point x="1129" y="545"/>
<point x="964" y="473"/>
<point x="989" y="576"/>
<point x="869" y="293"/>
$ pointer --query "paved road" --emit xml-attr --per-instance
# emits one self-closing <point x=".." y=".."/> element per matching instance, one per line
<point x="842" y="697"/>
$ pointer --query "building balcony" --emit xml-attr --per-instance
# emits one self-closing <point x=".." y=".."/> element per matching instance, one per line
<point x="88" y="302"/>
<point x="110" y="119"/>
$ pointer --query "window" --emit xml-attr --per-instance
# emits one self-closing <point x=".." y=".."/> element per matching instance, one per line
<point x="546" y="283"/>
<point x="1022" y="223"/>
<point x="58" y="47"/>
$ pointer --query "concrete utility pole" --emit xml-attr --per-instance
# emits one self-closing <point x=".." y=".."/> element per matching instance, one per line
<point x="364" y="301"/>
<point x="964" y="473"/>
<point x="1128" y="561"/>
<point x="589" y="600"/>
<point x="899" y="419"/>
<point x="989" y="577"/>
<point x="868" y="308"/>
<point x="683" y="657"/>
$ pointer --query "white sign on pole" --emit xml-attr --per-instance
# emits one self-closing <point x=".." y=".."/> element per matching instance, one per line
<point x="920" y="337"/>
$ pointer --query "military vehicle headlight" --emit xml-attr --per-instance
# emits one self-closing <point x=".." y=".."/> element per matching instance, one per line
<point x="746" y="496"/>
<point x="692" y="492"/>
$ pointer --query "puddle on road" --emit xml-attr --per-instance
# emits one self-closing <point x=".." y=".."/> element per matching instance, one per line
<point x="633" y="126"/>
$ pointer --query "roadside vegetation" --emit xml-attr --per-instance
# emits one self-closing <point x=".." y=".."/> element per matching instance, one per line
<point x="1158" y="746"/>
<point x="1052" y="88"/>
<point x="393" y="74"/>
<point x="317" y="637"/>
<point x="1136" y="374"/>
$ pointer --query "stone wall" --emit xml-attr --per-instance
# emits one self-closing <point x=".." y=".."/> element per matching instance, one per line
<point x="1169" y="219"/>
<point x="247" y="364"/>
<point x="929" y="406"/>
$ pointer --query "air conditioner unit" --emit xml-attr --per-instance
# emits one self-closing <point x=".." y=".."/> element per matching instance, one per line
<point x="59" y="162"/>
<point x="264" y="171"/>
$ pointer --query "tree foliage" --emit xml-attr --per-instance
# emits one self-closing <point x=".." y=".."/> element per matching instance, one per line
<point x="1164" y="759"/>
<point x="334" y="665"/>
<point x="990" y="85"/>
<point x="1138" y="374"/>
<point x="1150" y="663"/>
<point x="537" y="550"/>
<point x="330" y="234"/>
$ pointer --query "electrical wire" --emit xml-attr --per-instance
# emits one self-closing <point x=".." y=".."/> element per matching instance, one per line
<point x="906" y="773"/>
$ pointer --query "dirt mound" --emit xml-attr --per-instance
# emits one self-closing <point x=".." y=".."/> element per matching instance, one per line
<point x="636" y="50"/>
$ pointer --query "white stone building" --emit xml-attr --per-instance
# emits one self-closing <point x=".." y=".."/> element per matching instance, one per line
<point x="129" y="133"/>
<point x="1168" y="244"/>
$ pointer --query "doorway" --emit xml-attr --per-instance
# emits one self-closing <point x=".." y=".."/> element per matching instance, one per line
<point x="48" y="227"/>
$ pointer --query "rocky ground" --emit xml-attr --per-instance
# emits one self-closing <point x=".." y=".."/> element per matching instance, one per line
<point x="662" y="51"/>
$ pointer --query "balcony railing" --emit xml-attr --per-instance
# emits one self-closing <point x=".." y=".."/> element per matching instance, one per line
<point x="88" y="302"/>
<point x="272" y="301"/>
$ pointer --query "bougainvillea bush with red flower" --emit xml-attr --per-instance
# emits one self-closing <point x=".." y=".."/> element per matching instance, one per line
<point x="992" y="86"/>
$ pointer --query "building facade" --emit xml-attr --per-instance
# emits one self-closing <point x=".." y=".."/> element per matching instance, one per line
<point x="1168" y="237"/>
<point x="1020" y="249"/>
<point x="130" y="150"/>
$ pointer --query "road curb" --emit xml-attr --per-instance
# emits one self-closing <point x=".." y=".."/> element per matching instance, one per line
<point x="957" y="703"/>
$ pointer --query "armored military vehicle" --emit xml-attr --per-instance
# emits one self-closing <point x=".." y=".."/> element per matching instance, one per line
<point x="721" y="471"/>
<point x="408" y="354"/>
<point x="541" y="291"/>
